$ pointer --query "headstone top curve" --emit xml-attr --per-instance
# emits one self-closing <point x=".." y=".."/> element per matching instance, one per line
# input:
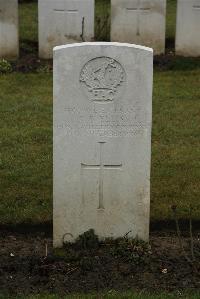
<point x="116" y="44"/>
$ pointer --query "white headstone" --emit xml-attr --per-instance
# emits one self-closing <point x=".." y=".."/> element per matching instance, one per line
<point x="62" y="22"/>
<point x="9" y="40"/>
<point x="139" y="21"/>
<point x="188" y="28"/>
<point x="102" y="140"/>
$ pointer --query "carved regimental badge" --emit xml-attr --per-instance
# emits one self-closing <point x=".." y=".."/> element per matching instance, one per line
<point x="102" y="78"/>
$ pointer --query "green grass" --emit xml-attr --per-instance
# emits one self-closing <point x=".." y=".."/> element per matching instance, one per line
<point x="175" y="143"/>
<point x="26" y="134"/>
<point x="28" y="21"/>
<point x="102" y="20"/>
<point x="171" y="22"/>
<point x="113" y="295"/>
<point x="26" y="145"/>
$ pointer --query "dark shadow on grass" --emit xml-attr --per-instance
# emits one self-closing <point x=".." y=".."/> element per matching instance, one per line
<point x="28" y="47"/>
<point x="169" y="226"/>
<point x="171" y="62"/>
<point x="46" y="228"/>
<point x="28" y="1"/>
<point x="29" y="62"/>
<point x="170" y="45"/>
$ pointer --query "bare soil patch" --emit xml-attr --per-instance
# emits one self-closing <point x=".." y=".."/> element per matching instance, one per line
<point x="25" y="268"/>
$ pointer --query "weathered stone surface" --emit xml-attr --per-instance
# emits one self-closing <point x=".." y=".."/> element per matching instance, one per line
<point x="188" y="28"/>
<point x="102" y="140"/>
<point x="139" y="21"/>
<point x="62" y="22"/>
<point x="9" y="39"/>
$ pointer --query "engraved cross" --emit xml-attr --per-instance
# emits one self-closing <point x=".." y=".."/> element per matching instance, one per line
<point x="101" y="166"/>
<point x="138" y="9"/>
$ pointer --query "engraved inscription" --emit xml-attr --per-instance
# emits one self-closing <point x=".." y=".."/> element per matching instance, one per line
<point x="100" y="121"/>
<point x="102" y="78"/>
<point x="101" y="167"/>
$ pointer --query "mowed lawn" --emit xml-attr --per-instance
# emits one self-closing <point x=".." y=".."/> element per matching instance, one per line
<point x="26" y="135"/>
<point x="113" y="295"/>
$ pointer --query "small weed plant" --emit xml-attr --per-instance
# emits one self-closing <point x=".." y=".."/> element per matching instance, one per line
<point x="192" y="256"/>
<point x="131" y="250"/>
<point x="5" y="66"/>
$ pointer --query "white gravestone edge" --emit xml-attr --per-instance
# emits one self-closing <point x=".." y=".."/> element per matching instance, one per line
<point x="103" y="44"/>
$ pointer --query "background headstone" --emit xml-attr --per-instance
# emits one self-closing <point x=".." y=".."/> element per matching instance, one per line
<point x="139" y="21"/>
<point x="102" y="140"/>
<point x="62" y="22"/>
<point x="9" y="39"/>
<point x="188" y="28"/>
